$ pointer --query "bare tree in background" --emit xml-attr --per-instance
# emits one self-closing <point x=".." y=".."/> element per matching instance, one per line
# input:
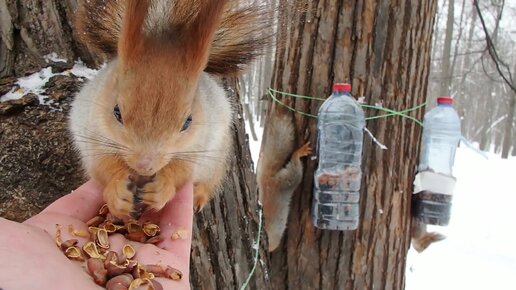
<point x="447" y="68"/>
<point x="483" y="97"/>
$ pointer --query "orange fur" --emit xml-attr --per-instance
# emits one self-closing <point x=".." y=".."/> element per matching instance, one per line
<point x="243" y="33"/>
<point x="132" y="39"/>
<point x="200" y="36"/>
<point x="155" y="83"/>
<point x="421" y="238"/>
<point x="279" y="173"/>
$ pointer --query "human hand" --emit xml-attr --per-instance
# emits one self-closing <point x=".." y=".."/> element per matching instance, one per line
<point x="32" y="260"/>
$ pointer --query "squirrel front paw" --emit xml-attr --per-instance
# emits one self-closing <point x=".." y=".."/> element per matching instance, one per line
<point x="158" y="192"/>
<point x="119" y="197"/>
<point x="304" y="150"/>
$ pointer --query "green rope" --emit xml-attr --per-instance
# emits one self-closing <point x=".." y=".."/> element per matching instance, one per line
<point x="394" y="113"/>
<point x="296" y="96"/>
<point x="246" y="283"/>
<point x="289" y="107"/>
<point x="390" y="112"/>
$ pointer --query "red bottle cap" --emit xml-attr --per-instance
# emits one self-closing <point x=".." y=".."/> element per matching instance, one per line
<point x="342" y="87"/>
<point x="445" y="100"/>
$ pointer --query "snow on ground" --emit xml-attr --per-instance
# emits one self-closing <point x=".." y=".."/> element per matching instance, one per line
<point x="254" y="145"/>
<point x="479" y="252"/>
<point x="34" y="83"/>
<point x="480" y="249"/>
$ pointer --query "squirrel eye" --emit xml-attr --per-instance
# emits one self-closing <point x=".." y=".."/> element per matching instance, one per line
<point x="118" y="115"/>
<point x="187" y="124"/>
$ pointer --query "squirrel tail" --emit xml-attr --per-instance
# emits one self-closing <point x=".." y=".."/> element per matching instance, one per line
<point x="421" y="239"/>
<point x="233" y="40"/>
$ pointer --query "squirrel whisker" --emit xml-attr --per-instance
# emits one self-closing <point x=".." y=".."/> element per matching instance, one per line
<point x="88" y="140"/>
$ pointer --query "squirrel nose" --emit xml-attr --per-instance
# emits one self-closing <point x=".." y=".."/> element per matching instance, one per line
<point x="144" y="164"/>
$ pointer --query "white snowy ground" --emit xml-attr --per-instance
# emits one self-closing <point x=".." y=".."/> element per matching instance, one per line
<point x="480" y="250"/>
<point x="34" y="83"/>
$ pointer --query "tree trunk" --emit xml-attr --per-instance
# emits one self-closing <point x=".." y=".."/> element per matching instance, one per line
<point x="383" y="49"/>
<point x="464" y="100"/>
<point x="446" y="73"/>
<point x="225" y="232"/>
<point x="509" y="125"/>
<point x="223" y="246"/>
<point x="32" y="29"/>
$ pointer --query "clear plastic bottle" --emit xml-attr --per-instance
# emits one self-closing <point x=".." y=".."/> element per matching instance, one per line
<point x="336" y="194"/>
<point x="441" y="135"/>
<point x="434" y="183"/>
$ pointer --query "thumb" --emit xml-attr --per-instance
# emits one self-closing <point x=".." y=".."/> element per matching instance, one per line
<point x="176" y="220"/>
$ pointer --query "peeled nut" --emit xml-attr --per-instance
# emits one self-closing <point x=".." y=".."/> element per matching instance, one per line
<point x="154" y="240"/>
<point x="119" y="282"/>
<point x="110" y="256"/>
<point x="151" y="230"/>
<point x="123" y="272"/>
<point x="139" y="271"/>
<point x="113" y="269"/>
<point x="116" y="287"/>
<point x="140" y="237"/>
<point x="156" y="285"/>
<point x="95" y="221"/>
<point x="97" y="271"/>
<point x="130" y="265"/>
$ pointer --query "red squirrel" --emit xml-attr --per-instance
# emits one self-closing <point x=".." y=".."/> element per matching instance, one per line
<point x="157" y="109"/>
<point x="421" y="238"/>
<point x="279" y="173"/>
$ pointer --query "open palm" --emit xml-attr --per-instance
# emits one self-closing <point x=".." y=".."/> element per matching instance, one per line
<point x="31" y="259"/>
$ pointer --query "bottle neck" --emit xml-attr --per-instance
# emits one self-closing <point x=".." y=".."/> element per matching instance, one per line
<point x="444" y="105"/>
<point x="341" y="93"/>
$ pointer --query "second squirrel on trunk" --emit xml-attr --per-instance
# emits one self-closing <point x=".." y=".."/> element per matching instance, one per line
<point x="279" y="173"/>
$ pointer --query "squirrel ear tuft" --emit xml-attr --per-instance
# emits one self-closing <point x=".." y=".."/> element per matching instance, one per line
<point x="132" y="39"/>
<point x="197" y="30"/>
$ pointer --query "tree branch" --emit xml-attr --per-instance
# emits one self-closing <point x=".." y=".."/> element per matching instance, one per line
<point x="493" y="53"/>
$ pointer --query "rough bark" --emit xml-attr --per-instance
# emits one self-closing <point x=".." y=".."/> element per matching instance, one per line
<point x="37" y="162"/>
<point x="383" y="49"/>
<point x="225" y="231"/>
<point x="31" y="29"/>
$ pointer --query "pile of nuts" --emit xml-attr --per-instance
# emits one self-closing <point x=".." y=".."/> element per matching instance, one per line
<point x="109" y="269"/>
